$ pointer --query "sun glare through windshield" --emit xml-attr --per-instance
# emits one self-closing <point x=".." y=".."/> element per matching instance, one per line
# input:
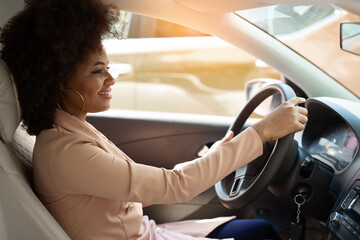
<point x="313" y="32"/>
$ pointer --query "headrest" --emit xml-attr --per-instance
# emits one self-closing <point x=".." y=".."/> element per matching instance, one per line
<point x="10" y="113"/>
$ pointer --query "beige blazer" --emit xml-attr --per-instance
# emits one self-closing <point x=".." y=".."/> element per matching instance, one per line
<point x="95" y="191"/>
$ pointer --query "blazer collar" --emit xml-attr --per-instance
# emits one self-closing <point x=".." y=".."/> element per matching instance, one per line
<point x="75" y="125"/>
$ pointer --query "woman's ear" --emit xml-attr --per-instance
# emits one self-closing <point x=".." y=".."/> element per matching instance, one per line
<point x="61" y="87"/>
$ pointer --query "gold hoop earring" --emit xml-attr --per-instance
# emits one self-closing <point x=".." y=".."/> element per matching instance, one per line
<point x="81" y="97"/>
<point x="58" y="105"/>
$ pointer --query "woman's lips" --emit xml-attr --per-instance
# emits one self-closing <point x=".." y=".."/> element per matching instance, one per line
<point x="106" y="93"/>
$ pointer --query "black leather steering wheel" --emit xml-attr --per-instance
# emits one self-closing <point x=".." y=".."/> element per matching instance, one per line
<point x="245" y="185"/>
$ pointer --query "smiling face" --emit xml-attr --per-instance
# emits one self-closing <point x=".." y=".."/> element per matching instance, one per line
<point x="93" y="82"/>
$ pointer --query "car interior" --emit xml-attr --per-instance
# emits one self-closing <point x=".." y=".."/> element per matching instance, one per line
<point x="319" y="177"/>
<point x="19" y="206"/>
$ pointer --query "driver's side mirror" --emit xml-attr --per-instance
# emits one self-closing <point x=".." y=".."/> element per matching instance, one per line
<point x="350" y="37"/>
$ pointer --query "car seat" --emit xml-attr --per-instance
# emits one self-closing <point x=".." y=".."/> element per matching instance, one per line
<point x="22" y="215"/>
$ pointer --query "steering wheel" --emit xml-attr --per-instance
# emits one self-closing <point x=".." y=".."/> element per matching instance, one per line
<point x="248" y="182"/>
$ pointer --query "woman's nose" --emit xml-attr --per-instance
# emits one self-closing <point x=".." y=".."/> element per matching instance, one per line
<point x="109" y="80"/>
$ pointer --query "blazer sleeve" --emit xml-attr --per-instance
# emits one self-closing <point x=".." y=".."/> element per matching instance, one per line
<point x="80" y="167"/>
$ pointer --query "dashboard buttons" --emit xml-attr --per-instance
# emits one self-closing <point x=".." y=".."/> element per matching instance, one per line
<point x="335" y="218"/>
<point x="345" y="221"/>
<point x="345" y="204"/>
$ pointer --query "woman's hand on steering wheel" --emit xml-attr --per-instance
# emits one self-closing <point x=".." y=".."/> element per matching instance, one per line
<point x="285" y="119"/>
<point x="248" y="182"/>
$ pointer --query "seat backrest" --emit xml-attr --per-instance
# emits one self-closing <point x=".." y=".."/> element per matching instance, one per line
<point x="22" y="215"/>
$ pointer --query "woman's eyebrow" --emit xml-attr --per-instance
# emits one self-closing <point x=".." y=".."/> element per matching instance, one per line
<point x="99" y="63"/>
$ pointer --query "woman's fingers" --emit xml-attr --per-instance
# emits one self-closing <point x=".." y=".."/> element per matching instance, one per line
<point x="296" y="100"/>
<point x="302" y="110"/>
<point x="229" y="135"/>
<point x="303" y="119"/>
<point x="299" y="112"/>
<point x="302" y="114"/>
<point x="285" y="119"/>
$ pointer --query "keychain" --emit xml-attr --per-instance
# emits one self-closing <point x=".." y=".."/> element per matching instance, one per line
<point x="296" y="228"/>
<point x="299" y="200"/>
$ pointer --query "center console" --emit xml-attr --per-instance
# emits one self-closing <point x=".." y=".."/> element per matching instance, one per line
<point x="345" y="220"/>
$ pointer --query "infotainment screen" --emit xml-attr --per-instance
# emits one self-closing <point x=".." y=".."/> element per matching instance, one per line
<point x="356" y="206"/>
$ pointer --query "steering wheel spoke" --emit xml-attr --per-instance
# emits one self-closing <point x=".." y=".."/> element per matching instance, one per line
<point x="240" y="172"/>
<point x="239" y="177"/>
<point x="240" y="184"/>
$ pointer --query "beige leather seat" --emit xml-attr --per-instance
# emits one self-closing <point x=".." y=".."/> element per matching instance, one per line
<point x="22" y="216"/>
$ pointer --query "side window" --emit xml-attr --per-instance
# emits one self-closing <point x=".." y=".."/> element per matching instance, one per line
<point x="164" y="67"/>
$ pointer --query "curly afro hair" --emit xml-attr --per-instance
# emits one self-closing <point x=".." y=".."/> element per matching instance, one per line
<point x="44" y="44"/>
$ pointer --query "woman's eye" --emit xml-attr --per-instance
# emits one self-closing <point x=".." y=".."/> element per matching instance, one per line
<point x="100" y="71"/>
<point x="97" y="71"/>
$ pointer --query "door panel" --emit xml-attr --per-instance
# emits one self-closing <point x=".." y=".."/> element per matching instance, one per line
<point x="167" y="151"/>
<point x="159" y="139"/>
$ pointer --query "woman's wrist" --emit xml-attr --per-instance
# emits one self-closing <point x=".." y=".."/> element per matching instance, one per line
<point x="261" y="131"/>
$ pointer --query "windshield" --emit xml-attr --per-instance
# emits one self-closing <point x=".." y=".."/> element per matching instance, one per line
<point x="313" y="32"/>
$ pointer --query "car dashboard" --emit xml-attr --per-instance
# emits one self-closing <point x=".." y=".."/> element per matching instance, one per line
<point x="336" y="146"/>
<point x="331" y="138"/>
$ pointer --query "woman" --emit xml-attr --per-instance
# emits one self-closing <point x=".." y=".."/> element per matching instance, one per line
<point x="95" y="191"/>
